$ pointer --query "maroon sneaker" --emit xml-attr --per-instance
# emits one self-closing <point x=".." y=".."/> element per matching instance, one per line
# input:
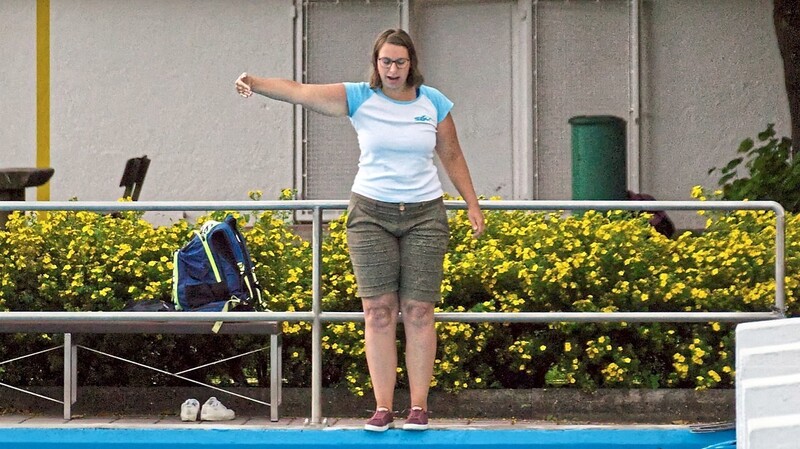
<point x="417" y="419"/>
<point x="381" y="421"/>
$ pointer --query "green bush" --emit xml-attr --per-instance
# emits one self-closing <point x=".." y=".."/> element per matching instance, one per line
<point x="772" y="172"/>
<point x="525" y="262"/>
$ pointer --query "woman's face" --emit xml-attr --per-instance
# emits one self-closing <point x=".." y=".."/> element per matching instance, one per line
<point x="393" y="66"/>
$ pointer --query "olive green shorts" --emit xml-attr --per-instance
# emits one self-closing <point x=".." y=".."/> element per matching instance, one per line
<point x="398" y="247"/>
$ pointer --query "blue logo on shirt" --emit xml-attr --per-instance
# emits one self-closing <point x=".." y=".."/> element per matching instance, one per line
<point x="423" y="118"/>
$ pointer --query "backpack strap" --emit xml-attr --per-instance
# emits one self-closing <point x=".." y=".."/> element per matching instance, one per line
<point x="202" y="236"/>
<point x="175" y="281"/>
<point x="217" y="325"/>
<point x="245" y="262"/>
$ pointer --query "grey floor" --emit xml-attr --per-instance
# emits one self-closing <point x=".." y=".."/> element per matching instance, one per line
<point x="28" y="421"/>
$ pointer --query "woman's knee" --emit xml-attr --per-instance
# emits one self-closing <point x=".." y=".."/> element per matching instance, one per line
<point x="380" y="311"/>
<point x="418" y="313"/>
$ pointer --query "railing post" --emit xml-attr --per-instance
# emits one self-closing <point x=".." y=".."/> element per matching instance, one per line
<point x="316" y="308"/>
<point x="780" y="263"/>
<point x="70" y="383"/>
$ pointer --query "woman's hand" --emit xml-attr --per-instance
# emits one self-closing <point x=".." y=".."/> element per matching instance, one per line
<point x="243" y="85"/>
<point x="477" y="221"/>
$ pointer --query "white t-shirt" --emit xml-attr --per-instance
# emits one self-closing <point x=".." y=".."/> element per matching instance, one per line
<point x="397" y="141"/>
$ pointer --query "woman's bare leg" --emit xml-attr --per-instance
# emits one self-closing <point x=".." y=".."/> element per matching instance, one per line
<point x="380" y="340"/>
<point x="420" y="333"/>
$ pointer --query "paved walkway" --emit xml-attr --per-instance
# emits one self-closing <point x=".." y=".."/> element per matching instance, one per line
<point x="26" y="421"/>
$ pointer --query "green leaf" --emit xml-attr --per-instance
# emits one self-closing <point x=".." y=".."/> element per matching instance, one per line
<point x="767" y="133"/>
<point x="746" y="145"/>
<point x="724" y="180"/>
<point x="732" y="164"/>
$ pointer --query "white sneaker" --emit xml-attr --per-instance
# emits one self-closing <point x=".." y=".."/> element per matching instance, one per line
<point x="213" y="410"/>
<point x="189" y="410"/>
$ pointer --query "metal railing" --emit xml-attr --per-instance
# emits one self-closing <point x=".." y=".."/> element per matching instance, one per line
<point x="317" y="316"/>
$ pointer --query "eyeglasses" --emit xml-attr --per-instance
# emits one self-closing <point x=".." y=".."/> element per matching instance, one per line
<point x="387" y="62"/>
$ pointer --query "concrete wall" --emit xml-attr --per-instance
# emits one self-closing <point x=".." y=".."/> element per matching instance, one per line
<point x="155" y="77"/>
<point x="713" y="76"/>
<point x="582" y="69"/>
<point x="18" y="83"/>
<point x="470" y="60"/>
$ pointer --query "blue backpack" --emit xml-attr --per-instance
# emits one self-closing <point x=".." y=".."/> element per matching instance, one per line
<point x="213" y="271"/>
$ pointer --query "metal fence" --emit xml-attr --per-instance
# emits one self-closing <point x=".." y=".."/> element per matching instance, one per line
<point x="317" y="316"/>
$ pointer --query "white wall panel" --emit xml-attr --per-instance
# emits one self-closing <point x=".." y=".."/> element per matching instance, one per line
<point x="466" y="49"/>
<point x="339" y="43"/>
<point x="18" y="84"/>
<point x="156" y="77"/>
<point x="582" y="70"/>
<point x="767" y="381"/>
<point x="712" y="77"/>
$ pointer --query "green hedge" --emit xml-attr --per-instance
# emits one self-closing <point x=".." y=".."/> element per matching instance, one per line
<point x="525" y="262"/>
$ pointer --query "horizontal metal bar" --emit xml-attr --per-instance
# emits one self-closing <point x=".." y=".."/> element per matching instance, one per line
<point x="553" y="205"/>
<point x="543" y="205"/>
<point x="156" y="316"/>
<point x="143" y="206"/>
<point x="451" y="317"/>
<point x="616" y="317"/>
<point x="559" y="317"/>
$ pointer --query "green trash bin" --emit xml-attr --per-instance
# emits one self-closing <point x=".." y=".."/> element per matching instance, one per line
<point x="598" y="158"/>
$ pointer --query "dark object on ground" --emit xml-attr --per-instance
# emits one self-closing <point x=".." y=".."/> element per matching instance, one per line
<point x="659" y="220"/>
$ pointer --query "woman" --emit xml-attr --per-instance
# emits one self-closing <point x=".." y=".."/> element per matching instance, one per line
<point x="397" y="227"/>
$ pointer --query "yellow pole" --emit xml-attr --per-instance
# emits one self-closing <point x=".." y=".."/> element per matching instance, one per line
<point x="43" y="93"/>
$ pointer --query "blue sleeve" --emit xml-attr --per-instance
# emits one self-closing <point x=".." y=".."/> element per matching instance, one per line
<point x="442" y="104"/>
<point x="357" y="94"/>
